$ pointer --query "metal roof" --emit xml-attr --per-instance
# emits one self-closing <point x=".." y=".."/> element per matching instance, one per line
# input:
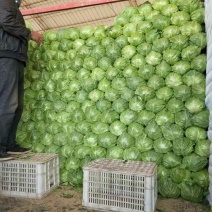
<point x="57" y="14"/>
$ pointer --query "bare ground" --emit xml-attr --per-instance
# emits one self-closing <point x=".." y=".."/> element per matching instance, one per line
<point x="66" y="198"/>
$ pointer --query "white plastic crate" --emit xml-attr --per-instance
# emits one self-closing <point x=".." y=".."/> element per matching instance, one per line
<point x="118" y="185"/>
<point x="31" y="175"/>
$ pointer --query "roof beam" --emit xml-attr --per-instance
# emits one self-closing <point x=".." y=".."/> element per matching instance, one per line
<point x="66" y="6"/>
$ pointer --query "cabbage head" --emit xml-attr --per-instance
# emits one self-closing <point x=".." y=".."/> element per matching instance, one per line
<point x="170" y="160"/>
<point x="194" y="162"/>
<point x="191" y="192"/>
<point x="143" y="143"/>
<point x="168" y="188"/>
<point x="183" y="146"/>
<point x="162" y="145"/>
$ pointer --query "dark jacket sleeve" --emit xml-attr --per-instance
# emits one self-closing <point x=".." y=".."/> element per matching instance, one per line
<point x="9" y="21"/>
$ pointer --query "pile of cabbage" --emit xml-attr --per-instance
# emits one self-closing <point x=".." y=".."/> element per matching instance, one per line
<point x="134" y="91"/>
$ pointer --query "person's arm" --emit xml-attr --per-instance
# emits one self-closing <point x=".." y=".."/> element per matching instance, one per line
<point x="8" y="22"/>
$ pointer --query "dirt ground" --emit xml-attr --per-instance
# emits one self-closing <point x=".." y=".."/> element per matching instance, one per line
<point x="66" y="198"/>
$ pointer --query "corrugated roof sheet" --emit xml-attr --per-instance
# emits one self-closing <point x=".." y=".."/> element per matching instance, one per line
<point x="101" y="14"/>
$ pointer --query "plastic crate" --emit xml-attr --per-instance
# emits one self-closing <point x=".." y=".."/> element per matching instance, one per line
<point x="118" y="185"/>
<point x="31" y="175"/>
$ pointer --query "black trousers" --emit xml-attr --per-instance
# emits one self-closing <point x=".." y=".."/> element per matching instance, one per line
<point x="11" y="99"/>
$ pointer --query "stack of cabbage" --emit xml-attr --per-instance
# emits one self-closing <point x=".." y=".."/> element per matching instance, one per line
<point x="133" y="91"/>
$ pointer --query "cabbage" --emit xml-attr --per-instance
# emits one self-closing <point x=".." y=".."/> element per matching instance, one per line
<point x="143" y="143"/>
<point x="152" y="35"/>
<point x="153" y="130"/>
<point x="125" y="141"/>
<point x="98" y="152"/>
<point x="190" y="192"/>
<point x="130" y="71"/>
<point x="201" y="119"/>
<point x="172" y="132"/>
<point x="171" y="31"/>
<point x="175" y="105"/>
<point x="76" y="177"/>
<point x="164" y="117"/>
<point x="144" y="48"/>
<point x="183" y="146"/>
<point x="127" y="93"/>
<point x="159" y="4"/>
<point x="162" y="145"/>
<point x="202" y="148"/>
<point x="136" y="39"/>
<point x="199" y="63"/>
<point x="145" y="116"/>
<point x="179" y="42"/>
<point x="129" y="29"/>
<point x="170" y="160"/>
<point x="194" y="162"/>
<point x="128" y="116"/>
<point x="104" y="84"/>
<point x="182" y="92"/>
<point x="131" y="154"/>
<point x="164" y="93"/>
<point x="115" y="31"/>
<point x="81" y="151"/>
<point x="161" y="44"/>
<point x="103" y="64"/>
<point x="179" y="175"/>
<point x="199" y="40"/>
<point x="173" y="80"/>
<point x="171" y="56"/>
<point x="151" y="156"/>
<point x="146" y="93"/>
<point x="99" y="127"/>
<point x="103" y="105"/>
<point x="190" y="52"/>
<point x="128" y="51"/>
<point x="155" y="82"/>
<point x="194" y="105"/>
<point x="146" y="71"/>
<point x="145" y="8"/>
<point x="168" y="188"/>
<point x="189" y="6"/>
<point x="117" y="128"/>
<point x="111" y="94"/>
<point x="121" y="41"/>
<point x="137" y="60"/>
<point x="97" y="73"/>
<point x="144" y="26"/>
<point x="162" y="172"/>
<point x="181" y="67"/>
<point x="160" y="22"/>
<point x="72" y="163"/>
<point x="179" y="18"/>
<point x="135" y="129"/>
<point x="163" y="69"/>
<point x="153" y="58"/>
<point x="106" y="140"/>
<point x="183" y="119"/>
<point x="115" y="152"/>
<point x="92" y="114"/>
<point x="190" y="28"/>
<point x="109" y="116"/>
<point x="118" y="83"/>
<point x="90" y="139"/>
<point x="136" y="104"/>
<point x="120" y="105"/>
<point x="169" y="9"/>
<point x="155" y="105"/>
<point x="201" y="178"/>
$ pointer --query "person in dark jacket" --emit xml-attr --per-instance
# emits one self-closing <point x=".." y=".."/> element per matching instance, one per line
<point x="14" y="37"/>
